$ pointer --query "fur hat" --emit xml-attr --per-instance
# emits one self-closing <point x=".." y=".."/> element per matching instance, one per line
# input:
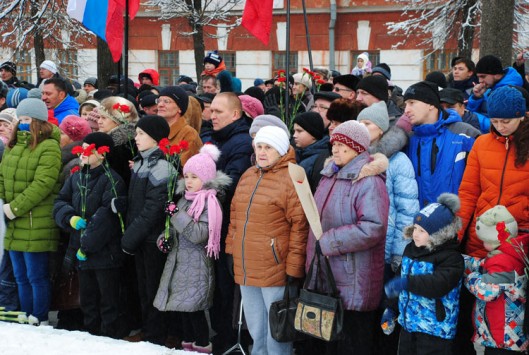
<point x="439" y="219"/>
<point x="304" y="79"/>
<point x="14" y="96"/>
<point x="353" y="134"/>
<point x="155" y="126"/>
<point x="49" y="65"/>
<point x="75" y="127"/>
<point x="376" y="113"/>
<point x="423" y="91"/>
<point x="213" y="58"/>
<point x="505" y="102"/>
<point x="203" y="164"/>
<point x="100" y="139"/>
<point x="34" y="108"/>
<point x="267" y="120"/>
<point x="312" y="123"/>
<point x="489" y="64"/>
<point x="348" y="80"/>
<point x="251" y="106"/>
<point x="375" y="85"/>
<point x="489" y="225"/>
<point x="274" y="137"/>
<point x="178" y="95"/>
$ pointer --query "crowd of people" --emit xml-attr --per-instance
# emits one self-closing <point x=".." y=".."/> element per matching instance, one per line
<point x="151" y="213"/>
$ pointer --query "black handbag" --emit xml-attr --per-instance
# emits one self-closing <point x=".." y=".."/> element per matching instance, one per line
<point x="320" y="313"/>
<point x="281" y="317"/>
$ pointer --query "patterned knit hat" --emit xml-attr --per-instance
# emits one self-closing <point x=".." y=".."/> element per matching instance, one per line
<point x="92" y="119"/>
<point x="204" y="164"/>
<point x="506" y="102"/>
<point x="49" y="65"/>
<point x="14" y="96"/>
<point x="75" y="127"/>
<point x="213" y="58"/>
<point x="495" y="224"/>
<point x="353" y="134"/>
<point x="9" y="66"/>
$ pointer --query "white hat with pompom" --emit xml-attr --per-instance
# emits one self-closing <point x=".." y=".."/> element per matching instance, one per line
<point x="204" y="164"/>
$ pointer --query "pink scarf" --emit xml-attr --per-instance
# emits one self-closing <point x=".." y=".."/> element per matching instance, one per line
<point x="214" y="216"/>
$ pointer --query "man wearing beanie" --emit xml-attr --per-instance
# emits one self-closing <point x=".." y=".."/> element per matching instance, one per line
<point x="491" y="76"/>
<point x="47" y="70"/>
<point x="322" y="102"/>
<point x="230" y="135"/>
<point x="8" y="74"/>
<point x="434" y="131"/>
<point x="374" y="88"/>
<point x="172" y="105"/>
<point x="311" y="140"/>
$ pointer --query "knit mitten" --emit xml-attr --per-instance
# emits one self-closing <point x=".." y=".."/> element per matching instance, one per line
<point x="77" y="222"/>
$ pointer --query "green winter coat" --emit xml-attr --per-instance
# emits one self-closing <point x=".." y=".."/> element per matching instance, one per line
<point x="29" y="183"/>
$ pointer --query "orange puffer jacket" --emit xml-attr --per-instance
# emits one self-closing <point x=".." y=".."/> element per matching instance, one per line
<point x="268" y="229"/>
<point x="491" y="179"/>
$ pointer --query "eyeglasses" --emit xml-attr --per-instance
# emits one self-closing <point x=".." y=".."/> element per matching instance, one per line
<point x="164" y="101"/>
<point x="337" y="89"/>
<point x="319" y="108"/>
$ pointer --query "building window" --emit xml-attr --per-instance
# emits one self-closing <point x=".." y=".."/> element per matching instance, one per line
<point x="439" y="61"/>
<point x="23" y="60"/>
<point x="67" y="62"/>
<point x="374" y="58"/>
<point x="168" y="67"/>
<point x="230" y="61"/>
<point x="280" y="62"/>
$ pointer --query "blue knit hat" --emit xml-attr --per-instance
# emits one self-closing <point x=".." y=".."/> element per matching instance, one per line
<point x="438" y="215"/>
<point x="14" y="96"/>
<point x="506" y="102"/>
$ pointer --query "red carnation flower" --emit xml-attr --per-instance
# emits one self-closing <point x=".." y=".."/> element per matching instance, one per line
<point x="103" y="150"/>
<point x="124" y="108"/>
<point x="184" y="145"/>
<point x="116" y="106"/>
<point x="77" y="150"/>
<point x="75" y="169"/>
<point x="89" y="150"/>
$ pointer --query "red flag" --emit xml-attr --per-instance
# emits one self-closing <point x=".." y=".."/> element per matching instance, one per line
<point x="134" y="6"/>
<point x="257" y="18"/>
<point x="114" y="32"/>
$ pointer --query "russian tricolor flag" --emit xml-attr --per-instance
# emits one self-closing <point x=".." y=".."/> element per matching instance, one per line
<point x="105" y="19"/>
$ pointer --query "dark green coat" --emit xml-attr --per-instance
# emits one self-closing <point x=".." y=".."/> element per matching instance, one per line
<point x="29" y="183"/>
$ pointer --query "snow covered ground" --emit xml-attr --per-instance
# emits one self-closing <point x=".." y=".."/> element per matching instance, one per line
<point x="23" y="339"/>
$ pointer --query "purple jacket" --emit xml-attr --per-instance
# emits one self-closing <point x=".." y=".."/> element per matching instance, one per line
<point x="353" y="207"/>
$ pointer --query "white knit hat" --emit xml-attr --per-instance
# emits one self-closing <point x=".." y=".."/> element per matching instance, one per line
<point x="274" y="137"/>
<point x="49" y="65"/>
<point x="303" y="78"/>
<point x="487" y="224"/>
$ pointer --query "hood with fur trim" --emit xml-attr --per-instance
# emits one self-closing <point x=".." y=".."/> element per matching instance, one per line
<point x="220" y="183"/>
<point x="393" y="141"/>
<point x="377" y="165"/>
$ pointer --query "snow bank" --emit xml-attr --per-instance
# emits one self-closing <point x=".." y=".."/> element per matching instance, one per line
<point x="23" y="339"/>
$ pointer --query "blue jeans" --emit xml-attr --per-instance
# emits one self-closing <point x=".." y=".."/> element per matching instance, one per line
<point x="8" y="285"/>
<point x="31" y="273"/>
<point x="256" y="303"/>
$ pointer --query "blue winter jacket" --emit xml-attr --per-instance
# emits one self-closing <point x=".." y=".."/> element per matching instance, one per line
<point x="430" y="305"/>
<point x="438" y="153"/>
<point x="479" y="105"/>
<point x="69" y="106"/>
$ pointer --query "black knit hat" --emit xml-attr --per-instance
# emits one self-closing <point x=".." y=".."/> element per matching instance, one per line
<point x="178" y="95"/>
<point x="9" y="66"/>
<point x="148" y="100"/>
<point x="312" y="123"/>
<point x="155" y="126"/>
<point x="489" y="64"/>
<point x="438" y="78"/>
<point x="213" y="58"/>
<point x="347" y="80"/>
<point x="376" y="85"/>
<point x="423" y="91"/>
<point x="100" y="139"/>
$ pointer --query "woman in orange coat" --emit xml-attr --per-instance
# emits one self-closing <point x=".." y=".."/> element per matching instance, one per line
<point x="267" y="235"/>
<point x="497" y="171"/>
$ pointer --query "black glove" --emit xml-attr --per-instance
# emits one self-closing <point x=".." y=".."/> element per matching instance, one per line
<point x="229" y="264"/>
<point x="119" y="205"/>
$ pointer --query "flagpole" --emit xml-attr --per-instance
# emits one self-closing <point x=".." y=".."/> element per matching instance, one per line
<point x="126" y="50"/>
<point x="287" y="91"/>
<point x="307" y="36"/>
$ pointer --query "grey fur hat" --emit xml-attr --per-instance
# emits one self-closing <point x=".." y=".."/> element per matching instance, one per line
<point x="439" y="219"/>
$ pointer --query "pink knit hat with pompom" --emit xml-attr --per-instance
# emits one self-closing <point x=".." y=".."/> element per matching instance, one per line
<point x="204" y="164"/>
